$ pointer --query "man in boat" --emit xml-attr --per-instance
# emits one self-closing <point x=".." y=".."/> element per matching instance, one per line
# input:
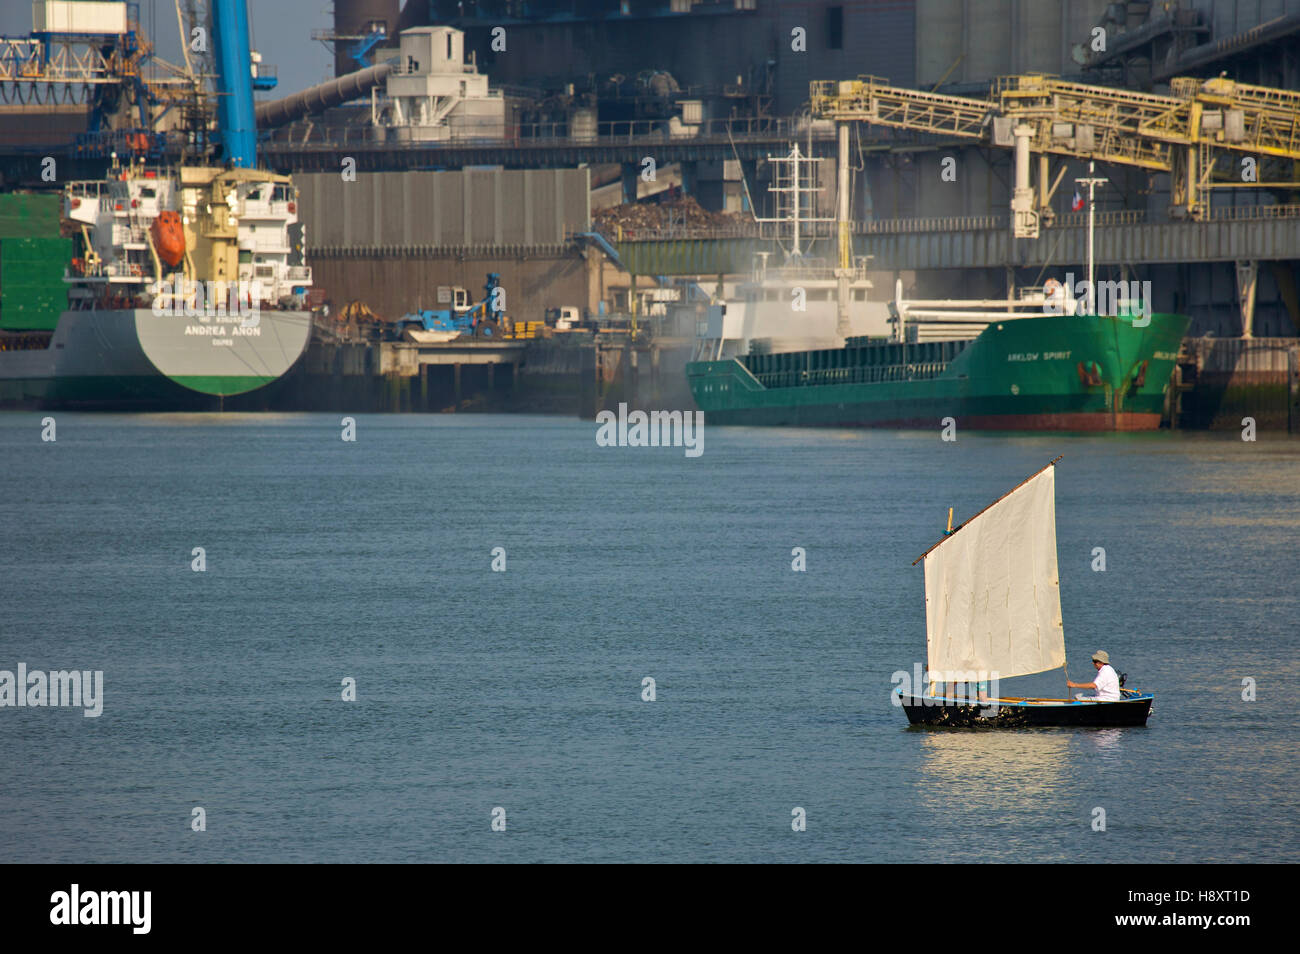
<point x="1106" y="682"/>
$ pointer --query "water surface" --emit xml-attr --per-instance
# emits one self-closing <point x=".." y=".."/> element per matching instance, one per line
<point x="477" y="689"/>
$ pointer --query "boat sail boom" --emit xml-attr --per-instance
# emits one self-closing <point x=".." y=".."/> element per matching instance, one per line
<point x="992" y="588"/>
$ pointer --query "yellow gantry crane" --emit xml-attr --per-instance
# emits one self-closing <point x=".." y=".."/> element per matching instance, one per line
<point x="1185" y="133"/>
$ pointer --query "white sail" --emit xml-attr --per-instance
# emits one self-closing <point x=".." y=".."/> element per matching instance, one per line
<point x="992" y="591"/>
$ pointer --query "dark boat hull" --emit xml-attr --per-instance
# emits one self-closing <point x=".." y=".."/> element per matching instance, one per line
<point x="1133" y="710"/>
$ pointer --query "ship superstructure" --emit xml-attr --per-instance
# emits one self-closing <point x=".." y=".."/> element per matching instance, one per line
<point x="791" y="307"/>
<point x="143" y="224"/>
<point x="801" y="301"/>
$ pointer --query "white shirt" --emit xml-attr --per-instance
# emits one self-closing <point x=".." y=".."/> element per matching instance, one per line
<point x="1107" y="683"/>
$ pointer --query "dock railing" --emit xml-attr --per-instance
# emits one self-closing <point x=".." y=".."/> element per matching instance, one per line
<point x="943" y="224"/>
<point x="564" y="133"/>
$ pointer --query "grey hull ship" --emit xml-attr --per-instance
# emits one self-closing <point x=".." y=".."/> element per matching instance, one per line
<point x="128" y="358"/>
<point x="188" y="292"/>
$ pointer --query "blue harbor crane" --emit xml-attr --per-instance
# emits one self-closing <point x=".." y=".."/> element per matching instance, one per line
<point x="236" y="124"/>
<point x="99" y="54"/>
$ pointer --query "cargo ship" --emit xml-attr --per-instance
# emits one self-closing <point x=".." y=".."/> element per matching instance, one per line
<point x="1036" y="362"/>
<point x="186" y="287"/>
<point x="803" y="344"/>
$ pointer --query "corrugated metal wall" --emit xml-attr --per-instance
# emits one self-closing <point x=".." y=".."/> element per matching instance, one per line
<point x="878" y="38"/>
<point x="980" y="40"/>
<point x="470" y="207"/>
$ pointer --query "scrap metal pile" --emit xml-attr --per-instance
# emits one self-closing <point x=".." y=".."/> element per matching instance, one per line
<point x="679" y="215"/>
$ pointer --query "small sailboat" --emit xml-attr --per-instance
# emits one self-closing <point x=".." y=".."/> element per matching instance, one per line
<point x="993" y="611"/>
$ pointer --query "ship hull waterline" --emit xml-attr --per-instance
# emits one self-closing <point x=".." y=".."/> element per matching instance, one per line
<point x="1132" y="711"/>
<point x="134" y="359"/>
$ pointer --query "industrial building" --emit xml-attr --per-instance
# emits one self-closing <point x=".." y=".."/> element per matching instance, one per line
<point x="708" y="91"/>
<point x="711" y="89"/>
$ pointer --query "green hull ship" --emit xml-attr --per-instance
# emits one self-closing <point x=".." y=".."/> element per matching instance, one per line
<point x="805" y="344"/>
<point x="1056" y="372"/>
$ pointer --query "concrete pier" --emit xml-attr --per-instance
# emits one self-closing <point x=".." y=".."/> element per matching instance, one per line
<point x="1217" y="382"/>
<point x="1220" y="381"/>
<point x="565" y="374"/>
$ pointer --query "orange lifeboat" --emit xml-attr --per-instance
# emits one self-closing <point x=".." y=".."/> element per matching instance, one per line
<point x="168" y="237"/>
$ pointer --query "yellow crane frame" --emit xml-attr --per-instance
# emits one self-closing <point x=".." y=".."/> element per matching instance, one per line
<point x="1183" y="133"/>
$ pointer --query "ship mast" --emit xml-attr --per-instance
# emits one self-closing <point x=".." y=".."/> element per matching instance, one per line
<point x="793" y="186"/>
<point x="1091" y="181"/>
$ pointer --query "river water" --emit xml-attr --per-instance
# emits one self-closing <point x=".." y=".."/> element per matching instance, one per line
<point x="521" y="690"/>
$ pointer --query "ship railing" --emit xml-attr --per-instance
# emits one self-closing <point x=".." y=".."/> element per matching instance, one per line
<point x="80" y="269"/>
<point x="120" y="271"/>
<point x="862" y="374"/>
<point x="944" y="331"/>
<point x="268" y="208"/>
<point x="811" y="270"/>
<point x="126" y="232"/>
<point x="265" y="240"/>
<point x="970" y="312"/>
<point x="84" y="189"/>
